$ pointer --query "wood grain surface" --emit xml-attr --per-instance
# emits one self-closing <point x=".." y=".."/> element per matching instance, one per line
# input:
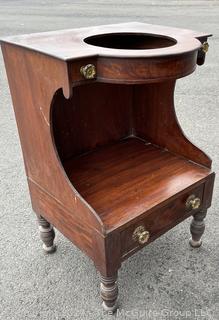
<point x="126" y="179"/>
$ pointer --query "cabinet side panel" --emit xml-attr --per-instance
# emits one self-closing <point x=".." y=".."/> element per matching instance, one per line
<point x="33" y="80"/>
<point x="74" y="228"/>
<point x="155" y="120"/>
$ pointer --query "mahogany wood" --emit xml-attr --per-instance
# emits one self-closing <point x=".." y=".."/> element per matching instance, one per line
<point x="105" y="155"/>
<point x="97" y="114"/>
<point x="156" y="121"/>
<point x="126" y="179"/>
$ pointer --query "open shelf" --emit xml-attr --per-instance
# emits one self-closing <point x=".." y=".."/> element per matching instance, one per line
<point x="125" y="179"/>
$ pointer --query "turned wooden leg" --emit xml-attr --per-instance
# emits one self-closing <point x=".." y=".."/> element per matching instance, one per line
<point x="197" y="228"/>
<point x="47" y="235"/>
<point x="109" y="293"/>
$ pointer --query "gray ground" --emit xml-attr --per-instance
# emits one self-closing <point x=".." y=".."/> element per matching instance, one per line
<point x="166" y="279"/>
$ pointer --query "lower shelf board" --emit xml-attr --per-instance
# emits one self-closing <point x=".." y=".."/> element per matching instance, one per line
<point x="123" y="180"/>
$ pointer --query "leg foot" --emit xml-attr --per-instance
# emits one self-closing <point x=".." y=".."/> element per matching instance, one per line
<point x="197" y="228"/>
<point x="47" y="235"/>
<point x="109" y="293"/>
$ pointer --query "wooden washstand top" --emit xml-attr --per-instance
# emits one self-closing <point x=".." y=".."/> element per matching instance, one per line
<point x="128" y="53"/>
<point x="147" y="41"/>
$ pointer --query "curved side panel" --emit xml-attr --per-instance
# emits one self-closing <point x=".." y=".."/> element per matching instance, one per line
<point x="52" y="194"/>
<point x="92" y="213"/>
<point x="155" y="120"/>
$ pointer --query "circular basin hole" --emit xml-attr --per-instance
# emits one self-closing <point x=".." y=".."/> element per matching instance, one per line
<point x="133" y="41"/>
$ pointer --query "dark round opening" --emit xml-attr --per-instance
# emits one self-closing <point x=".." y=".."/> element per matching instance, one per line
<point x="133" y="41"/>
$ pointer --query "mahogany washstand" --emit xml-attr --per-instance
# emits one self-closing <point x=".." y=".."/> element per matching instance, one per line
<point x="106" y="160"/>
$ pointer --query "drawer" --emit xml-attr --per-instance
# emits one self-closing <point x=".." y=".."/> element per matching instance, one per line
<point x="160" y="220"/>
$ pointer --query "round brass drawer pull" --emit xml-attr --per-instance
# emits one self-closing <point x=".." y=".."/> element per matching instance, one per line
<point x="193" y="202"/>
<point x="141" y="235"/>
<point x="205" y="47"/>
<point x="88" y="71"/>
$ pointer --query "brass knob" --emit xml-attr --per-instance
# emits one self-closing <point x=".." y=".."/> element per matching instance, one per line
<point x="88" y="71"/>
<point x="141" y="235"/>
<point x="193" y="202"/>
<point x="205" y="47"/>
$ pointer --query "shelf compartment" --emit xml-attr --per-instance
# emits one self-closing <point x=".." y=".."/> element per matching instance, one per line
<point x="123" y="180"/>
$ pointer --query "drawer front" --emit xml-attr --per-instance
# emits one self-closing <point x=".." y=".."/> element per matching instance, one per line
<point x="159" y="221"/>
